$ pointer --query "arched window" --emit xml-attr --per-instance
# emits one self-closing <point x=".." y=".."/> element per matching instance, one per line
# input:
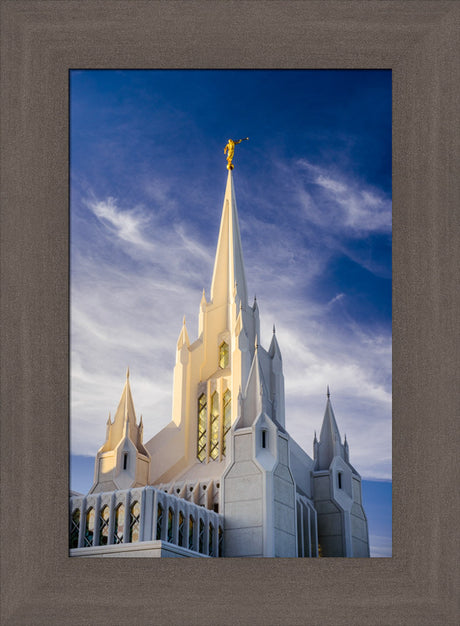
<point x="74" y="528"/>
<point x="202" y="424"/>
<point x="214" y="448"/>
<point x="227" y="416"/>
<point x="89" y="528"/>
<point x="134" y="517"/>
<point x="201" y="537"/>
<point x="180" y="539"/>
<point x="159" y="521"/>
<point x="211" y="540"/>
<point x="119" y="524"/>
<point x="104" y="526"/>
<point x="170" y="524"/>
<point x="223" y="355"/>
<point x="221" y="541"/>
<point x="191" y="527"/>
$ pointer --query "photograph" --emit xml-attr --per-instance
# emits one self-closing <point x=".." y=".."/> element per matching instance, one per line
<point x="230" y="313"/>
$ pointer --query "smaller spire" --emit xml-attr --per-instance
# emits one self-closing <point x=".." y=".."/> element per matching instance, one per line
<point x="315" y="440"/>
<point x="109" y="420"/>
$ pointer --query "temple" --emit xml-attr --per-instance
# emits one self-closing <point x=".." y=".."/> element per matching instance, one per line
<point x="224" y="478"/>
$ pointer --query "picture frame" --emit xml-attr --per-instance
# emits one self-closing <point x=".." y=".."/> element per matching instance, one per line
<point x="41" y="41"/>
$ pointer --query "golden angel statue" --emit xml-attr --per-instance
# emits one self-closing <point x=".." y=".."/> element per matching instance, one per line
<point x="231" y="151"/>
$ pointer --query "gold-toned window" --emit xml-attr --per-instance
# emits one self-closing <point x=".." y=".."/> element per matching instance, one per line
<point x="89" y="528"/>
<point x="119" y="524"/>
<point x="201" y="537"/>
<point x="227" y="417"/>
<point x="223" y="355"/>
<point x="159" y="521"/>
<point x="202" y="430"/>
<point x="191" y="526"/>
<point x="74" y="528"/>
<point x="134" y="522"/>
<point x="180" y="539"/>
<point x="211" y="540"/>
<point x="221" y="542"/>
<point x="170" y="524"/>
<point x="104" y="526"/>
<point x="214" y="448"/>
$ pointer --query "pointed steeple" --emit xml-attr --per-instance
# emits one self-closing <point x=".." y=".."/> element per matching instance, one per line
<point x="183" y="336"/>
<point x="228" y="264"/>
<point x="329" y="439"/>
<point x="274" y="349"/>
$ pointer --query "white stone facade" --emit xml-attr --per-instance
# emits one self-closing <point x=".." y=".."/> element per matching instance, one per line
<point x="225" y="460"/>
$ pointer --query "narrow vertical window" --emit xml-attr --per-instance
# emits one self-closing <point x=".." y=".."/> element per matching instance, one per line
<point x="125" y="460"/>
<point x="104" y="526"/>
<point x="159" y="521"/>
<point x="223" y="355"/>
<point x="214" y="449"/>
<point x="227" y="417"/>
<point x="202" y="423"/>
<point x="74" y="528"/>
<point x="89" y="528"/>
<point x="134" y="522"/>
<point x="191" y="526"/>
<point x="170" y="525"/>
<point x="220" y="542"/>
<point x="264" y="439"/>
<point x="339" y="480"/>
<point x="119" y="524"/>
<point x="201" y="537"/>
<point x="211" y="540"/>
<point x="180" y="538"/>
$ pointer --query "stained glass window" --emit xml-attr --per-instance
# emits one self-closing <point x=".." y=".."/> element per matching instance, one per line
<point x="159" y="521"/>
<point x="223" y="355"/>
<point x="170" y="524"/>
<point x="201" y="537"/>
<point x="221" y="541"/>
<point x="214" y="449"/>
<point x="211" y="540"/>
<point x="202" y="424"/>
<point x="191" y="526"/>
<point x="181" y="529"/>
<point x="89" y="528"/>
<point x="119" y="524"/>
<point x="74" y="528"/>
<point x="134" y="518"/>
<point x="104" y="526"/>
<point x="227" y="416"/>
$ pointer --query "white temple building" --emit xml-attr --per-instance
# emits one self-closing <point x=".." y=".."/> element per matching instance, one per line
<point x="224" y="477"/>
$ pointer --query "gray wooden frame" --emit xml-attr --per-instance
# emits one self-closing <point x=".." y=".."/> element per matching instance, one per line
<point x="40" y="41"/>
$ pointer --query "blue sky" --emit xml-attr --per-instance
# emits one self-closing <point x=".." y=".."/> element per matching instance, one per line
<point x="313" y="188"/>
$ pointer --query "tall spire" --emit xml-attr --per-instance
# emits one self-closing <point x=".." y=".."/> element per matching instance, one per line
<point x="329" y="439"/>
<point x="228" y="264"/>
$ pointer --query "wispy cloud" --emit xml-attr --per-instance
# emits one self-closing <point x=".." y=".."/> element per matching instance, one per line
<point x="127" y="225"/>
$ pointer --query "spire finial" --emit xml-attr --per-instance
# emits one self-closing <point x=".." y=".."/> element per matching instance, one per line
<point x="328" y="393"/>
<point x="274" y="329"/>
<point x="127" y="373"/>
<point x="183" y="321"/>
<point x="231" y="151"/>
<point x="256" y="342"/>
